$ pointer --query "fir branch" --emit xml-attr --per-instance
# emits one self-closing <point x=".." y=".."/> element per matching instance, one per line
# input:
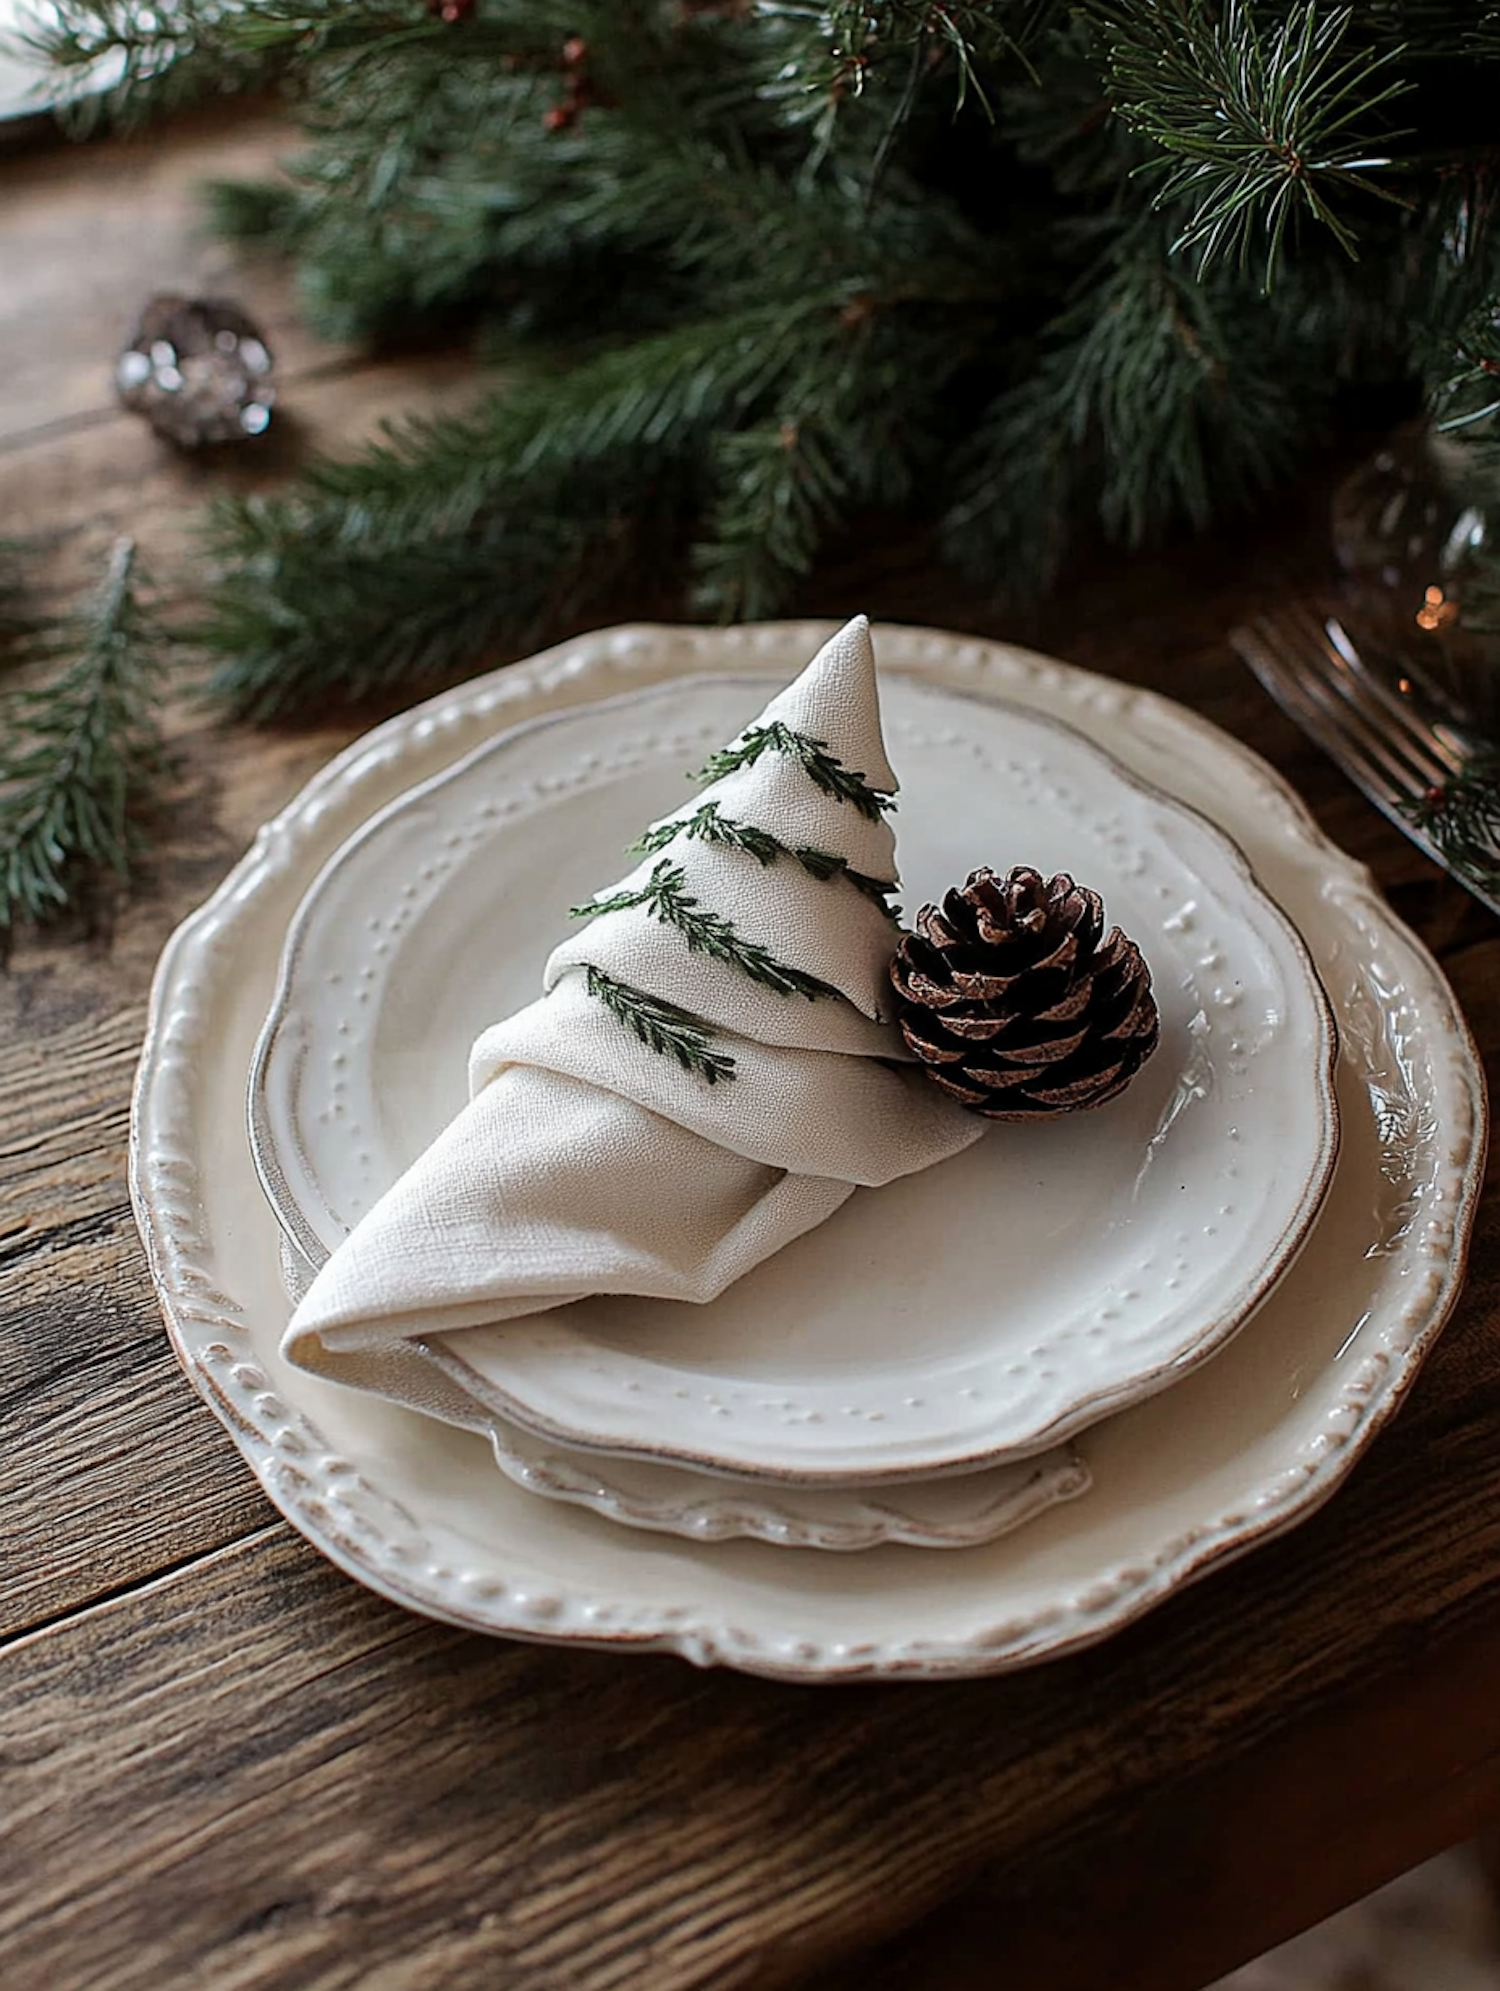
<point x="781" y="487"/>
<point x="662" y="1026"/>
<point x="124" y="63"/>
<point x="1159" y="396"/>
<point x="708" y="825"/>
<point x="849" y="50"/>
<point x="666" y="898"/>
<point x="1463" y="819"/>
<point x="81" y="754"/>
<point x="824" y="769"/>
<point x="1266" y="122"/>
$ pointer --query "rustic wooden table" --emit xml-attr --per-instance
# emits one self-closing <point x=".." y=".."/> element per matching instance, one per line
<point x="227" y="1765"/>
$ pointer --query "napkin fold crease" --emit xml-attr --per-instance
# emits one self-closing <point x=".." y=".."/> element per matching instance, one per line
<point x="587" y="1162"/>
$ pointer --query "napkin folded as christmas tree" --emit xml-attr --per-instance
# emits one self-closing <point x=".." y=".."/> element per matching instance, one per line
<point x="711" y="1071"/>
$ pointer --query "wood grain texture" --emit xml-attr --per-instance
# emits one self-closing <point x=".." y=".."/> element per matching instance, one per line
<point x="225" y="1765"/>
<point x="88" y="234"/>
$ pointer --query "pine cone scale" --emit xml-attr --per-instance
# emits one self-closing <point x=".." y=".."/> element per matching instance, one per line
<point x="1018" y="1003"/>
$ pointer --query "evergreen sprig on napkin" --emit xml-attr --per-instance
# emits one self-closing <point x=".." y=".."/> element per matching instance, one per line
<point x="665" y="1027"/>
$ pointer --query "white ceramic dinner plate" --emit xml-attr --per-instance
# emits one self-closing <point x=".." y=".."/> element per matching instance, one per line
<point x="975" y="1313"/>
<point x="950" y="1513"/>
<point x="1236" y="1451"/>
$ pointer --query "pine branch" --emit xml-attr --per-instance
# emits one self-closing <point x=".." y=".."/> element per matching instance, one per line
<point x="708" y="825"/>
<point x="666" y="898"/>
<point x="1463" y="818"/>
<point x="835" y="56"/>
<point x="1266" y="121"/>
<point x="1160" y="396"/>
<point x="780" y="488"/>
<point x="824" y="769"/>
<point x="81" y="754"/>
<point x="662" y="1026"/>
<point x="123" y="63"/>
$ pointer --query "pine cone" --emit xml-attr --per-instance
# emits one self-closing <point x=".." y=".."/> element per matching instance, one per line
<point x="1014" y="1003"/>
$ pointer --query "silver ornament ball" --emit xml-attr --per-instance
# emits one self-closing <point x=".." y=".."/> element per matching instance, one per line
<point x="199" y="370"/>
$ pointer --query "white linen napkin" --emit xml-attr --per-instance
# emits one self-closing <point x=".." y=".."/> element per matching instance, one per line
<point x="589" y="1162"/>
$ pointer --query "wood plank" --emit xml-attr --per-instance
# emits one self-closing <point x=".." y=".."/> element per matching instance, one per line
<point x="1235" y="1861"/>
<point x="88" y="234"/>
<point x="78" y="489"/>
<point x="253" y="1774"/>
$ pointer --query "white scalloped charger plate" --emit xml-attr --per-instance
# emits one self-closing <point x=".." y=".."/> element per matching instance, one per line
<point x="1238" y="1451"/>
<point x="675" y="1500"/>
<point x="964" y="1317"/>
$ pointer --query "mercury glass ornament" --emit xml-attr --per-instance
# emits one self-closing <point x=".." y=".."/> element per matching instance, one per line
<point x="199" y="370"/>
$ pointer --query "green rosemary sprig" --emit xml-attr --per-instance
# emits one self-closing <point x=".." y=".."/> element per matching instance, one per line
<point x="78" y="755"/>
<point x="1463" y="819"/>
<point x="662" y="1026"/>
<point x="665" y="897"/>
<point x="825" y="771"/>
<point x="708" y="825"/>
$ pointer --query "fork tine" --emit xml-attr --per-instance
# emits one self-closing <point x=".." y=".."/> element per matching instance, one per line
<point x="1328" y="706"/>
<point x="1386" y="748"/>
<point x="1436" y="751"/>
<point x="1323" y="653"/>
<point x="1434" y="743"/>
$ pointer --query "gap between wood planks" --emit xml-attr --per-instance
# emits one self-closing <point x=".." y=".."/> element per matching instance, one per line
<point x="142" y="1586"/>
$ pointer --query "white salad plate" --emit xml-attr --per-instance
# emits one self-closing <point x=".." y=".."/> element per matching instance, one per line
<point x="972" y="1314"/>
<point x="1237" y="1451"/>
<point x="952" y="1513"/>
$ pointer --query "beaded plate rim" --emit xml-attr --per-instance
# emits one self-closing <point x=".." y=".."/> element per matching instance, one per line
<point x="382" y="1543"/>
<point x="572" y="1390"/>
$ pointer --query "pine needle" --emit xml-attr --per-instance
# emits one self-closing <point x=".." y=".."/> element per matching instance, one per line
<point x="709" y="825"/>
<point x="824" y="769"/>
<point x="1263" y="120"/>
<point x="662" y="1027"/>
<point x="666" y="897"/>
<point x="79" y="755"/>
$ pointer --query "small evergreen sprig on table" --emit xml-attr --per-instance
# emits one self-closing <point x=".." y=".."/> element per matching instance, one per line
<point x="661" y="1026"/>
<point x="1463" y="819"/>
<point x="708" y="824"/>
<point x="666" y="897"/>
<point x="80" y="754"/>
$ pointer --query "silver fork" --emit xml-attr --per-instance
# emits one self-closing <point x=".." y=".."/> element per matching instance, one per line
<point x="1377" y="732"/>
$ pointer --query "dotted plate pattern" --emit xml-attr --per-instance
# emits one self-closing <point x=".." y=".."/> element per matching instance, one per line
<point x="1173" y="1211"/>
<point x="640" y="1493"/>
<point x="1276" y="1421"/>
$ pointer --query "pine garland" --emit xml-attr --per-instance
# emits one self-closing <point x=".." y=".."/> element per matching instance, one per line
<point x="1029" y="270"/>
<point x="708" y="824"/>
<point x="661" y="1026"/>
<point x="824" y="770"/>
<point x="80" y="755"/>
<point x="666" y="897"/>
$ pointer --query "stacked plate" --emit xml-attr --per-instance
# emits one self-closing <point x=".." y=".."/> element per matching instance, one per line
<point x="1035" y="1388"/>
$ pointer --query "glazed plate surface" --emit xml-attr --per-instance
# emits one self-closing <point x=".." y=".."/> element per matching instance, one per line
<point x="1234" y="1452"/>
<point x="973" y="1313"/>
